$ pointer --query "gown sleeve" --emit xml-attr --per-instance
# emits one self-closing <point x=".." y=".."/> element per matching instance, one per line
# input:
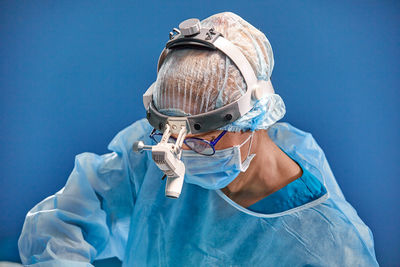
<point x="89" y="218"/>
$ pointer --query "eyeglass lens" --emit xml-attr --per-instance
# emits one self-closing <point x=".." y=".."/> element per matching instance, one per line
<point x="198" y="145"/>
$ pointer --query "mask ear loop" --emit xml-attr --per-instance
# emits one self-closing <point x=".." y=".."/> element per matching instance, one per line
<point x="245" y="141"/>
<point x="251" y="142"/>
<point x="248" y="151"/>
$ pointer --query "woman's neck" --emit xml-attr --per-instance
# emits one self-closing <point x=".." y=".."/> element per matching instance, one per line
<point x="270" y="170"/>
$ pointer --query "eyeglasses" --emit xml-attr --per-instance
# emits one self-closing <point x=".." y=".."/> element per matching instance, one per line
<point x="198" y="145"/>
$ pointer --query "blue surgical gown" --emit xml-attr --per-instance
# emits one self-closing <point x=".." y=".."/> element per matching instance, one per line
<point x="115" y="205"/>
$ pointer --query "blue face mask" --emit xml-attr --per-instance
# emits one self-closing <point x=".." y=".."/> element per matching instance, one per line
<point x="216" y="171"/>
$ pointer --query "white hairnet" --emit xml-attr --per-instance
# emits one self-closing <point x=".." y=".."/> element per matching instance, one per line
<point x="194" y="81"/>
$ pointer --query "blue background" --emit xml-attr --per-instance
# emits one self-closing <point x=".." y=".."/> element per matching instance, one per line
<point x="72" y="75"/>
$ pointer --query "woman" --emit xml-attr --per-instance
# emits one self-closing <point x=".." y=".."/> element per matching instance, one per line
<point x="265" y="196"/>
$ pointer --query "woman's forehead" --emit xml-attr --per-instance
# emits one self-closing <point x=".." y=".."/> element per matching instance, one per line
<point x="205" y="135"/>
<point x="211" y="134"/>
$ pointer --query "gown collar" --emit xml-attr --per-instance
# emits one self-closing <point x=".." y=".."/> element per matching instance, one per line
<point x="304" y="192"/>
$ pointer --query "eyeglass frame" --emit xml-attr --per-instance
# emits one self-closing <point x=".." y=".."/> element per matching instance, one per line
<point x="212" y="143"/>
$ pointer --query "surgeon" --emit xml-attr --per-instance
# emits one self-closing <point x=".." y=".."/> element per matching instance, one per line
<point x="255" y="192"/>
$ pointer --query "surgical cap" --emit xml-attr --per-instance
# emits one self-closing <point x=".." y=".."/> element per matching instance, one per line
<point x="194" y="81"/>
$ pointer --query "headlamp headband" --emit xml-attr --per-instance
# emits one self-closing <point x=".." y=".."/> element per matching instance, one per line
<point x="192" y="35"/>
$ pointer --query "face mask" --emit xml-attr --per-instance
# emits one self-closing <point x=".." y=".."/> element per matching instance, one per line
<point x="216" y="171"/>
